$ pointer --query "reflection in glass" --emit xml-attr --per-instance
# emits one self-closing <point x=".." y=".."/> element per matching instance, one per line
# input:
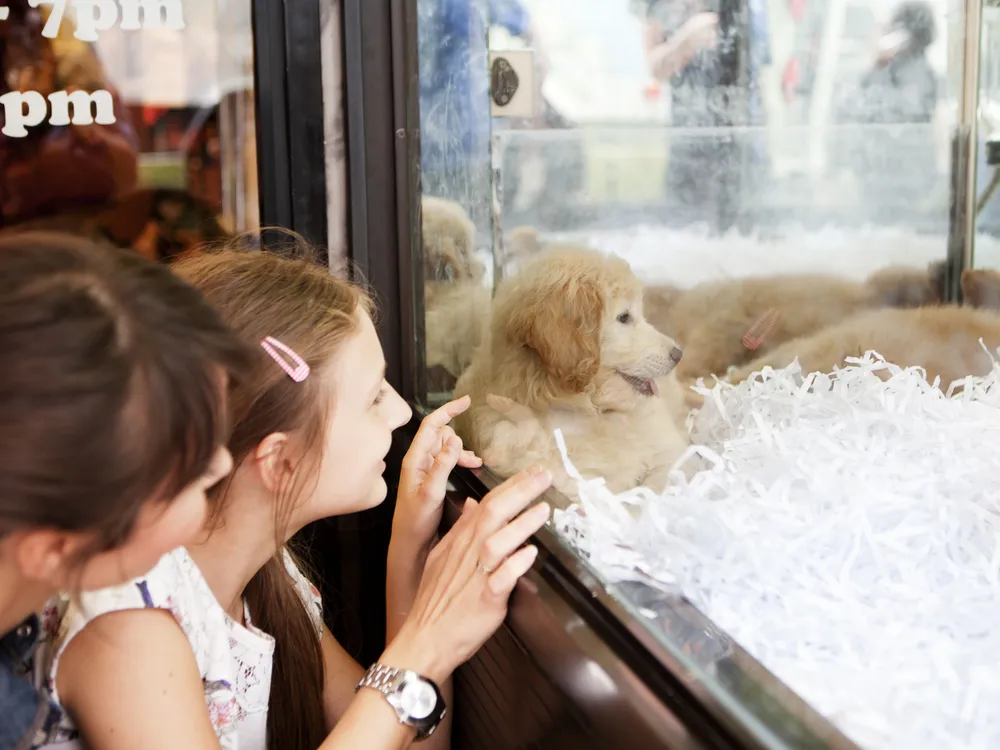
<point x="176" y="168"/>
<point x="776" y="174"/>
<point x="988" y="161"/>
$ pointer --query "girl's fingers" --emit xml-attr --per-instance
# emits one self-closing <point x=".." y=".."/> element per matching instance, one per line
<point x="433" y="432"/>
<point x="435" y="483"/>
<point x="510" y="498"/>
<point x="446" y="433"/>
<point x="502" y="544"/>
<point x="470" y="460"/>
<point x="503" y="580"/>
<point x="444" y="414"/>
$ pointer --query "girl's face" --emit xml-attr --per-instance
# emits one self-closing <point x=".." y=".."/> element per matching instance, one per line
<point x="365" y="412"/>
<point x="160" y="528"/>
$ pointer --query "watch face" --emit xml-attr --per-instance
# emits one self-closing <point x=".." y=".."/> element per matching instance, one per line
<point x="418" y="699"/>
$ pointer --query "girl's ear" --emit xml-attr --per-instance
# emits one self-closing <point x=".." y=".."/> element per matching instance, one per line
<point x="43" y="554"/>
<point x="272" y="460"/>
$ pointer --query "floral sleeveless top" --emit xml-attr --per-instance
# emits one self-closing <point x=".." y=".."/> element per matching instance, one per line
<point x="235" y="661"/>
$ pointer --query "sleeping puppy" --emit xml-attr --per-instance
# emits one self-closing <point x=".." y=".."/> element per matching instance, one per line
<point x="944" y="340"/>
<point x="569" y="347"/>
<point x="456" y="302"/>
<point x="730" y="323"/>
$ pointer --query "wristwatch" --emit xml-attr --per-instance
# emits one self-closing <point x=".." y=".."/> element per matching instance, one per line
<point x="416" y="700"/>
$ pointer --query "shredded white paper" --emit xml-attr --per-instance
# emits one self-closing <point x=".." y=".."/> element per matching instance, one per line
<point x="845" y="531"/>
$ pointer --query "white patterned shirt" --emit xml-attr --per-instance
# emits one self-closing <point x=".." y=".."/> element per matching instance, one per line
<point x="235" y="662"/>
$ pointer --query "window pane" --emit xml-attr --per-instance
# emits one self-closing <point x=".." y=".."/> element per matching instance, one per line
<point x="626" y="196"/>
<point x="987" y="246"/>
<point x="168" y="160"/>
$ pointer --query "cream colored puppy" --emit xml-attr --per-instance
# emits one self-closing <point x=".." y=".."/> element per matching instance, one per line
<point x="569" y="347"/>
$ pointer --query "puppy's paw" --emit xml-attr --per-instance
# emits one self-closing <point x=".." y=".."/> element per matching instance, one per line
<point x="517" y="413"/>
<point x="693" y="400"/>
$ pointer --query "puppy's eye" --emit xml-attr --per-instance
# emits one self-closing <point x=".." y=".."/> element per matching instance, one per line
<point x="625" y="317"/>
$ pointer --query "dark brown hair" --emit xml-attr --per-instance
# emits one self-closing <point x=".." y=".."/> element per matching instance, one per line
<point x="301" y="304"/>
<point x="112" y="385"/>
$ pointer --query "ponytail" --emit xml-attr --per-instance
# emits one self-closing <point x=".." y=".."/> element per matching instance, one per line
<point x="296" y="719"/>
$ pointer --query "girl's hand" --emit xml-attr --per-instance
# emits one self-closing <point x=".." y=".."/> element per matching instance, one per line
<point x="463" y="594"/>
<point x="423" y="479"/>
<point x="701" y="32"/>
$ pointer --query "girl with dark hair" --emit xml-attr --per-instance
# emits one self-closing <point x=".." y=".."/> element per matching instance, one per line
<point x="113" y="376"/>
<point x="222" y="644"/>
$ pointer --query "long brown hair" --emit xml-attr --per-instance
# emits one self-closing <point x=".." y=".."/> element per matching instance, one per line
<point x="112" y="386"/>
<point x="301" y="304"/>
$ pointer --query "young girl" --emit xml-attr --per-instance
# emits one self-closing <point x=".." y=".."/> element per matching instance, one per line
<point x="230" y="622"/>
<point x="112" y="388"/>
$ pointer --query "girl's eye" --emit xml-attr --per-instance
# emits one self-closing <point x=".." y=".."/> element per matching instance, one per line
<point x="625" y="317"/>
<point x="379" y="398"/>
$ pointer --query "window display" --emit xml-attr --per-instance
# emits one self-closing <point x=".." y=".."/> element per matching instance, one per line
<point x="630" y="210"/>
<point x="173" y="166"/>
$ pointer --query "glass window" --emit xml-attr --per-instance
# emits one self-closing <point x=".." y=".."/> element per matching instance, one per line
<point x="987" y="246"/>
<point x="129" y="122"/>
<point x="623" y="197"/>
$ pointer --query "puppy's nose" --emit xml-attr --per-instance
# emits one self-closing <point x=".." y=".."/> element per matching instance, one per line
<point x="675" y="354"/>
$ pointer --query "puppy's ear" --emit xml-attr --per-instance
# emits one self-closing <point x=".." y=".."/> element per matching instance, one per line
<point x="899" y="286"/>
<point x="562" y="326"/>
<point x="981" y="288"/>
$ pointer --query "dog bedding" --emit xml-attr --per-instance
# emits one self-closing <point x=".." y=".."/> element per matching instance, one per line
<point x="844" y="529"/>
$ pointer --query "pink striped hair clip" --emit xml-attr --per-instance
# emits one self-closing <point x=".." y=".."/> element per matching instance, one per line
<point x="291" y="362"/>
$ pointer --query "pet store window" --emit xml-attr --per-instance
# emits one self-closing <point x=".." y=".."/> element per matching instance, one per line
<point x="132" y="122"/>
<point x="711" y="263"/>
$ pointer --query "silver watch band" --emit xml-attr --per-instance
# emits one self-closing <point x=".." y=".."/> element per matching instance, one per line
<point x="394" y="684"/>
<point x="380" y="677"/>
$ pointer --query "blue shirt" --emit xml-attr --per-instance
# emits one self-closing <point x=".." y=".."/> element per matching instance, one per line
<point x="454" y="79"/>
<point x="26" y="716"/>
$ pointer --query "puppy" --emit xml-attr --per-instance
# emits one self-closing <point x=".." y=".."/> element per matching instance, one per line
<point x="730" y="323"/>
<point x="454" y="324"/>
<point x="569" y="347"/>
<point x="449" y="242"/>
<point x="456" y="302"/>
<point x="944" y="340"/>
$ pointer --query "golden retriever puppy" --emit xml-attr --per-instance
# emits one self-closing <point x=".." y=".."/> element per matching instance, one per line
<point x="456" y="302"/>
<point x="730" y="323"/>
<point x="569" y="347"/>
<point x="944" y="340"/>
<point x="454" y="324"/>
